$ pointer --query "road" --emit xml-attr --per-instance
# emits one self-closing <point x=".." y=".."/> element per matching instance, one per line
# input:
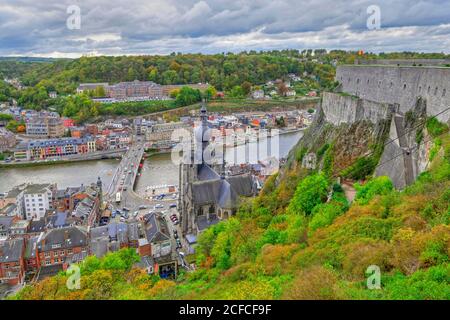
<point x="123" y="182"/>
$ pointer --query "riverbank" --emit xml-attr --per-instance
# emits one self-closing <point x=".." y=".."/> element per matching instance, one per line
<point x="39" y="163"/>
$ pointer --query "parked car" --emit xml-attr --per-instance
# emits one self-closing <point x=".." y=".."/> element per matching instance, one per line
<point x="122" y="219"/>
<point x="125" y="209"/>
<point x="135" y="214"/>
<point x="142" y="207"/>
<point x="159" y="206"/>
<point x="173" y="205"/>
<point x="179" y="246"/>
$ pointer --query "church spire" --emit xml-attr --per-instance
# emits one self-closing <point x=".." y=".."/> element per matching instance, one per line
<point x="203" y="112"/>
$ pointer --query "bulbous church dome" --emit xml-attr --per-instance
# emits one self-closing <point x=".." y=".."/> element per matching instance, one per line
<point x="202" y="133"/>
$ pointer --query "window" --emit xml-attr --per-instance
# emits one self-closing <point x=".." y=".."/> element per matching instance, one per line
<point x="357" y="81"/>
<point x="404" y="86"/>
<point x="48" y="262"/>
<point x="429" y="88"/>
<point x="47" y="254"/>
<point x="420" y="88"/>
<point x="436" y="91"/>
<point x="444" y="92"/>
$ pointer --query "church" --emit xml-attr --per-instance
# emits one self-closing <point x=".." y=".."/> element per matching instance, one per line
<point x="207" y="194"/>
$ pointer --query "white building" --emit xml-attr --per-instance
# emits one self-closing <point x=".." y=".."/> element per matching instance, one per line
<point x="290" y="93"/>
<point x="258" y="94"/>
<point x="34" y="201"/>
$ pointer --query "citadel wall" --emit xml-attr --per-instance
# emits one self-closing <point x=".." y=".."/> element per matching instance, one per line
<point x="399" y="85"/>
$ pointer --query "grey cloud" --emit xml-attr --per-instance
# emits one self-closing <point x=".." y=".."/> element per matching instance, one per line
<point x="38" y="27"/>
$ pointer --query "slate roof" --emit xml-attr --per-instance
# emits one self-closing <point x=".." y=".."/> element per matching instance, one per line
<point x="225" y="192"/>
<point x="156" y="228"/>
<point x="206" y="192"/>
<point x="99" y="232"/>
<point x="243" y="184"/>
<point x="133" y="231"/>
<point x="11" y="250"/>
<point x="37" y="226"/>
<point x="36" y="188"/>
<point x="47" y="271"/>
<point x="76" y="237"/>
<point x="206" y="173"/>
<point x="6" y="222"/>
<point x="59" y="220"/>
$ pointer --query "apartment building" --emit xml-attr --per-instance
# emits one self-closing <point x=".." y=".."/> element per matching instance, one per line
<point x="50" y="148"/>
<point x="34" y="201"/>
<point x="45" y="126"/>
<point x="91" y="86"/>
<point x="137" y="89"/>
<point x="134" y="89"/>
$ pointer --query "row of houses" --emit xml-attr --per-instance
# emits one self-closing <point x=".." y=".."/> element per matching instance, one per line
<point x="34" y="202"/>
<point x="38" y="255"/>
<point x="51" y="148"/>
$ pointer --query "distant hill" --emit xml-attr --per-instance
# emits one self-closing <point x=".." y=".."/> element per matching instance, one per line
<point x="28" y="59"/>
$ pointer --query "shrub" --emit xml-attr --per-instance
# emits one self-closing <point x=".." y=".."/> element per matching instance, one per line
<point x="324" y="214"/>
<point x="377" y="186"/>
<point x="436" y="128"/>
<point x="310" y="192"/>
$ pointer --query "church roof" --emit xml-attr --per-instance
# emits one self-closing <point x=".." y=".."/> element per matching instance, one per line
<point x="224" y="192"/>
<point x="206" y="173"/>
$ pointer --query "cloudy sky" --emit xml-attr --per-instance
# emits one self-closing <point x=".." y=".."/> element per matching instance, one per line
<point x="117" y="27"/>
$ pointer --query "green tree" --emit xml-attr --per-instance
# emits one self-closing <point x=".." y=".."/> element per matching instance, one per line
<point x="377" y="186"/>
<point x="310" y="192"/>
<point x="237" y="92"/>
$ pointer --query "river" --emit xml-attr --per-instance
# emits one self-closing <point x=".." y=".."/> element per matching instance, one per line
<point x="157" y="170"/>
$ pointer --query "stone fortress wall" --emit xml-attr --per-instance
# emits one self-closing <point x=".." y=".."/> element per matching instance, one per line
<point x="399" y="85"/>
<point x="376" y="92"/>
<point x="340" y="109"/>
<point x="404" y="62"/>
